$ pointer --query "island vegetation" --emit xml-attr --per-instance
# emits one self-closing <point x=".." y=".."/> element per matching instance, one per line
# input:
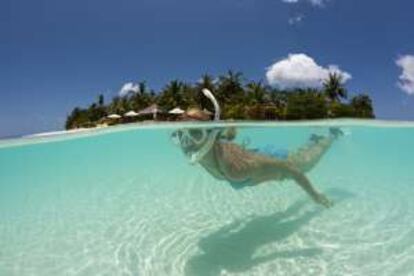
<point x="239" y="99"/>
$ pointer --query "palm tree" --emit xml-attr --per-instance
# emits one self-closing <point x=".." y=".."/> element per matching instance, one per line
<point x="239" y="101"/>
<point x="278" y="98"/>
<point x="116" y="105"/>
<point x="334" y="87"/>
<point x="256" y="93"/>
<point x="189" y="94"/>
<point x="230" y="87"/>
<point x="172" y="95"/>
<point x="142" y="88"/>
<point x="100" y="107"/>
<point x="207" y="81"/>
<point x="142" y="98"/>
<point x="101" y="100"/>
<point x="362" y="105"/>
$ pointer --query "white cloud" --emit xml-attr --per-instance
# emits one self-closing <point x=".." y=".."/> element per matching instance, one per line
<point x="295" y="20"/>
<point x="313" y="2"/>
<point x="406" y="82"/>
<point x="301" y="71"/>
<point x="128" y="88"/>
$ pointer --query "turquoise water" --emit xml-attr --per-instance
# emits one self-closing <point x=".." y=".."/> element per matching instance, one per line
<point x="126" y="201"/>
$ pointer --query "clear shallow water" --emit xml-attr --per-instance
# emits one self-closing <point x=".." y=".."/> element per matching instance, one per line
<point x="125" y="201"/>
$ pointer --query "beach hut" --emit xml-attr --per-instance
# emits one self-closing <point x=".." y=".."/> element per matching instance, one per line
<point x="151" y="110"/>
<point x="131" y="113"/>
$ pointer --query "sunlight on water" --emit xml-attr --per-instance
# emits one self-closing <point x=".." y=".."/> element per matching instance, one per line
<point x="126" y="201"/>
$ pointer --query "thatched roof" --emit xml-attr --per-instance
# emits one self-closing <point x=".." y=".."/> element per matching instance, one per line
<point x="176" y="111"/>
<point x="152" y="109"/>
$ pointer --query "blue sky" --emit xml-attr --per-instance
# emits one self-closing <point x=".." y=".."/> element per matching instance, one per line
<point x="59" y="54"/>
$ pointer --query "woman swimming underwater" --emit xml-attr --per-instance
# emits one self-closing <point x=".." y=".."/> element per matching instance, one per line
<point x="214" y="150"/>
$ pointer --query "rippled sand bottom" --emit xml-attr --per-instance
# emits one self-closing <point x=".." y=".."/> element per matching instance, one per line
<point x="203" y="227"/>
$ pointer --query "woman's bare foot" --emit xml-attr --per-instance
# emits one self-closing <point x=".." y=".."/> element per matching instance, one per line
<point x="323" y="200"/>
<point x="336" y="132"/>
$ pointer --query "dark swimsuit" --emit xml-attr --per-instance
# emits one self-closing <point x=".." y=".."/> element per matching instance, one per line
<point x="240" y="185"/>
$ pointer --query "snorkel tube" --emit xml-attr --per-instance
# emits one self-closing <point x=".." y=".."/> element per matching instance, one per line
<point x="213" y="100"/>
<point x="211" y="138"/>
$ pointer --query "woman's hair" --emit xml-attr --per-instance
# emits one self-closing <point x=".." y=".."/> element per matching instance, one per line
<point x="195" y="113"/>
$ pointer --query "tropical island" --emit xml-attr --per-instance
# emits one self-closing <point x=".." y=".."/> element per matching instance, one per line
<point x="239" y="99"/>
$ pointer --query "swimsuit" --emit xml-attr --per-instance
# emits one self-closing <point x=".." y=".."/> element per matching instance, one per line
<point x="238" y="185"/>
<point x="216" y="171"/>
<point x="272" y="151"/>
<point x="269" y="151"/>
<point x="215" y="168"/>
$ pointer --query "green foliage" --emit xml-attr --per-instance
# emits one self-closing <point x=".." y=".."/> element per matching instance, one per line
<point x="304" y="105"/>
<point x="172" y="95"/>
<point x="334" y="87"/>
<point x="256" y="93"/>
<point x="235" y="111"/>
<point x="273" y="113"/>
<point x="362" y="106"/>
<point x="239" y="100"/>
<point x="101" y="100"/>
<point x="340" y="110"/>
<point x="230" y="88"/>
<point x="141" y="99"/>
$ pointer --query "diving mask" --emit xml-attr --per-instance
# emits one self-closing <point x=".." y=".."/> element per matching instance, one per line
<point x="197" y="142"/>
<point x="189" y="137"/>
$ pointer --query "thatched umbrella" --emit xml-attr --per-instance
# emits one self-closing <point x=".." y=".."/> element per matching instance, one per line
<point x="131" y="113"/>
<point x="176" y="111"/>
<point x="152" y="109"/>
<point x="114" y="116"/>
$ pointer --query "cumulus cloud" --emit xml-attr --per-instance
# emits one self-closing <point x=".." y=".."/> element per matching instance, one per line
<point x="128" y="88"/>
<point x="406" y="82"/>
<point x="301" y="71"/>
<point x="313" y="2"/>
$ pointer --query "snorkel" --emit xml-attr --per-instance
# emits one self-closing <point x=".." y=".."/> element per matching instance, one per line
<point x="211" y="138"/>
<point x="195" y="157"/>
<point x="213" y="100"/>
<point x="204" y="144"/>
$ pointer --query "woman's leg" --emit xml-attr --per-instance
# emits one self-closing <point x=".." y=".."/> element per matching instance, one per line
<point x="307" y="157"/>
<point x="277" y="170"/>
<point x="237" y="164"/>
